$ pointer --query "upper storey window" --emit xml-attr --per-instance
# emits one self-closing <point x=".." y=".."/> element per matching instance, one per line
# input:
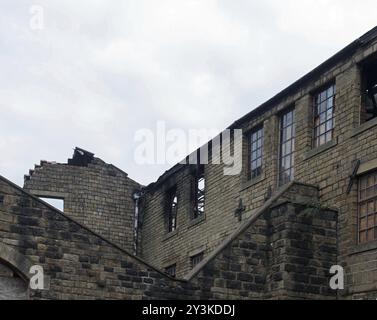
<point x="199" y="192"/>
<point x="369" y="92"/>
<point x="324" y="106"/>
<point x="287" y="147"/>
<point x="256" y="153"/>
<point x="173" y="206"/>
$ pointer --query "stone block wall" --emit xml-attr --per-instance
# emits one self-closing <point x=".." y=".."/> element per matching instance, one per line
<point x="285" y="253"/>
<point x="328" y="167"/>
<point x="192" y="235"/>
<point x="98" y="195"/>
<point x="80" y="264"/>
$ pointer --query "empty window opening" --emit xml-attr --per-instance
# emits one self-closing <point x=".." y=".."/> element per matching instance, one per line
<point x="256" y="153"/>
<point x="369" y="92"/>
<point x="56" y="203"/>
<point x="287" y="147"/>
<point x="172" y="209"/>
<point x="171" y="270"/>
<point x="324" y="105"/>
<point x="195" y="260"/>
<point x="368" y="208"/>
<point x="199" y="192"/>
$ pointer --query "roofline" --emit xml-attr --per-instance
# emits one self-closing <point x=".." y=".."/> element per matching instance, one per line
<point x="342" y="54"/>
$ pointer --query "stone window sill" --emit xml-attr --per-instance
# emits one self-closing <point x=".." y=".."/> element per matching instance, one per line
<point x="170" y="235"/>
<point x="314" y="152"/>
<point x="364" y="127"/>
<point x="196" y="221"/>
<point x="250" y="183"/>
<point x="365" y="247"/>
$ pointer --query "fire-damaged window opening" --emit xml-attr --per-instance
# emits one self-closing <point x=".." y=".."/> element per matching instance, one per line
<point x="324" y="106"/>
<point x="56" y="203"/>
<point x="171" y="270"/>
<point x="172" y="199"/>
<point x="369" y="91"/>
<point x="196" y="259"/>
<point x="255" y="153"/>
<point x="199" y="192"/>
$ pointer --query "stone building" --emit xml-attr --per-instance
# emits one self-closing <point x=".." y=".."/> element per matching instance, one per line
<point x="304" y="201"/>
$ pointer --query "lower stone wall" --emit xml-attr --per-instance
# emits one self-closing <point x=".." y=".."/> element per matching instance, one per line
<point x="283" y="253"/>
<point x="78" y="263"/>
<point x="303" y="249"/>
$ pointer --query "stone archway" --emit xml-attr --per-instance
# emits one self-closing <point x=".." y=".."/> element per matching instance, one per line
<point x="14" y="274"/>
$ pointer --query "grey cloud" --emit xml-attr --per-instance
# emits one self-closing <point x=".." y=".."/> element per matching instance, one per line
<point x="100" y="70"/>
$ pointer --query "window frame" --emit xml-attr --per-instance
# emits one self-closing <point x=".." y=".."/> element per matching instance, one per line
<point x="196" y="259"/>
<point x="172" y="219"/>
<point x="292" y="140"/>
<point x="365" y="86"/>
<point x="317" y="102"/>
<point x="365" y="202"/>
<point x="199" y="199"/>
<point x="250" y="142"/>
<point x="171" y="267"/>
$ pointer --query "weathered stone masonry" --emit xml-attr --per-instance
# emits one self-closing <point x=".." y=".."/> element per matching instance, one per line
<point x="259" y="240"/>
<point x="329" y="167"/>
<point x="96" y="194"/>
<point x="266" y="258"/>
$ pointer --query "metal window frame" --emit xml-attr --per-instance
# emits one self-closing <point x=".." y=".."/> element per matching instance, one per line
<point x="173" y="209"/>
<point x="284" y="113"/>
<point x="199" y="195"/>
<point x="365" y="201"/>
<point x="316" y="115"/>
<point x="170" y="268"/>
<point x="196" y="259"/>
<point x="250" y="152"/>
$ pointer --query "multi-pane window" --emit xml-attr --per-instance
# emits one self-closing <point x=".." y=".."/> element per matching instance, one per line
<point x="172" y="209"/>
<point x="256" y="153"/>
<point x="199" y="192"/>
<point x="195" y="260"/>
<point x="171" y="270"/>
<point x="368" y="208"/>
<point x="324" y="105"/>
<point x="287" y="147"/>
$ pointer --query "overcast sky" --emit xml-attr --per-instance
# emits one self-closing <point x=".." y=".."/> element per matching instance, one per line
<point x="100" y="70"/>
